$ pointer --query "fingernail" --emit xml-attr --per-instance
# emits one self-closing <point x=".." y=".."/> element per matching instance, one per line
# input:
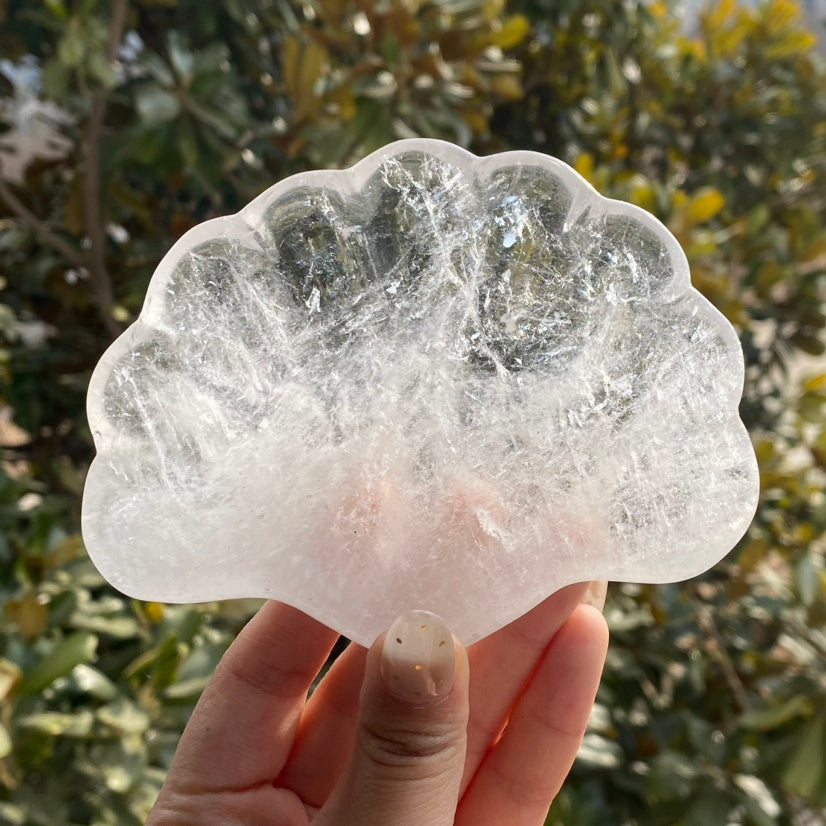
<point x="596" y="593"/>
<point x="418" y="659"/>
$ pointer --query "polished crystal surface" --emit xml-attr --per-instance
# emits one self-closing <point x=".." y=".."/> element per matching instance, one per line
<point x="430" y="381"/>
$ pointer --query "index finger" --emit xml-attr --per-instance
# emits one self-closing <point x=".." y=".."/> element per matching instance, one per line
<point x="501" y="664"/>
<point x="244" y="724"/>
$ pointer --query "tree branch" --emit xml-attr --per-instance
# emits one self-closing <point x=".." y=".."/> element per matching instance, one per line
<point x="43" y="231"/>
<point x="101" y="282"/>
<point x="717" y="648"/>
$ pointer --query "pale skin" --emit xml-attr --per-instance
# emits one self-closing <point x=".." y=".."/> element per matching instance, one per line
<point x="494" y="749"/>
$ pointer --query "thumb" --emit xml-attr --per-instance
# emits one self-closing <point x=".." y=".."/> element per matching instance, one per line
<point x="412" y="731"/>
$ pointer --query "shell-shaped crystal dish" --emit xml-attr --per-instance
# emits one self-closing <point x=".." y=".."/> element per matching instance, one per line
<point x="429" y="381"/>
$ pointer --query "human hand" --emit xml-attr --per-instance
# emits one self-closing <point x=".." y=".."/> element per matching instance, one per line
<point x="489" y="741"/>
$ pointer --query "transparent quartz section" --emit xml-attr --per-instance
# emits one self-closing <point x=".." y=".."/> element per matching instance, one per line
<point x="430" y="381"/>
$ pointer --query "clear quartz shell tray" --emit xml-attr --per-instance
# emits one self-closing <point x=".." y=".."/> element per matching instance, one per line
<point x="429" y="381"/>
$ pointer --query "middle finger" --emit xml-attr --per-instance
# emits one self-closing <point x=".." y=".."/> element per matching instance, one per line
<point x="500" y="666"/>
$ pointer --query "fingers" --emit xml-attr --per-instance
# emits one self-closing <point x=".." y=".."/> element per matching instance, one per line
<point x="411" y="734"/>
<point x="521" y="775"/>
<point x="327" y="731"/>
<point x="242" y="728"/>
<point x="501" y="665"/>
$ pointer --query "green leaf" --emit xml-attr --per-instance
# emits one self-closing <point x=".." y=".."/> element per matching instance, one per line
<point x="9" y="678"/>
<point x="514" y="30"/>
<point x="156" y="105"/>
<point x="189" y="689"/>
<point x="808" y="579"/>
<point x="8" y="323"/>
<point x="711" y="807"/>
<point x="802" y="776"/>
<point x="57" y="8"/>
<point x="119" y="764"/>
<point x="810" y="344"/>
<point x="673" y="776"/>
<point x="5" y="742"/>
<point x="124" y="717"/>
<point x="180" y="56"/>
<point x="705" y="205"/>
<point x="74" y="650"/>
<point x="12" y="814"/>
<point x="101" y="69"/>
<point x="117" y="626"/>
<point x="760" y="803"/>
<point x="599" y="752"/>
<point x="757" y="219"/>
<point x="188" y="144"/>
<point x="304" y="62"/>
<point x="213" y="119"/>
<point x="158" y="69"/>
<point x="71" y="48"/>
<point x="88" y="680"/>
<point x="162" y="659"/>
<point x="58" y="724"/>
<point x="195" y="672"/>
<point x="772" y="718"/>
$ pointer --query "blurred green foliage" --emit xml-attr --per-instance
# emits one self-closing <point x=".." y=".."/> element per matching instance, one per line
<point x="713" y="708"/>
